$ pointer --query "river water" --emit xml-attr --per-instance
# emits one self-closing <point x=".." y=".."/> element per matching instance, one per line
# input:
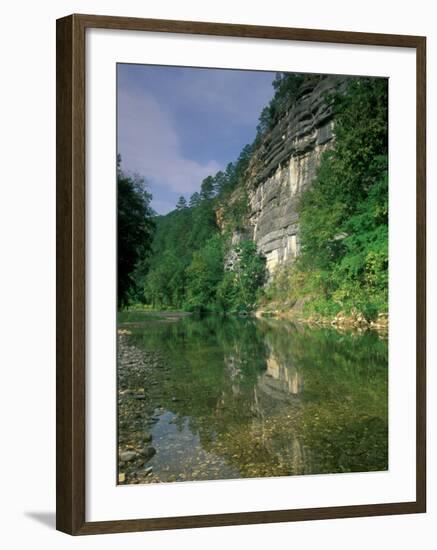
<point x="224" y="397"/>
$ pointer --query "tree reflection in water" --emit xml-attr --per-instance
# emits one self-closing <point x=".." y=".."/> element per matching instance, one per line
<point x="252" y="397"/>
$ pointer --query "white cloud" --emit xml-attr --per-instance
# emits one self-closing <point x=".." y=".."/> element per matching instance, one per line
<point x="150" y="146"/>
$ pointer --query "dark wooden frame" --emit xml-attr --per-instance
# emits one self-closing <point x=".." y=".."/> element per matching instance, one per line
<point x="70" y="298"/>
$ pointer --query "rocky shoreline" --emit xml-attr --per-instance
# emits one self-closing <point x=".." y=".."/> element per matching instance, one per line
<point x="354" y="320"/>
<point x="138" y="411"/>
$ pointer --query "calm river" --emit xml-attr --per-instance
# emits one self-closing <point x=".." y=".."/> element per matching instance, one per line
<point x="223" y="397"/>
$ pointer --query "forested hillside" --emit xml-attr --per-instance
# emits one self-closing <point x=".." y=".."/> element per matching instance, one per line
<point x="186" y="268"/>
<point x="182" y="260"/>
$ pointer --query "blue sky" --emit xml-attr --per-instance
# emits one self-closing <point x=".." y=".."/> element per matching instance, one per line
<point x="177" y="125"/>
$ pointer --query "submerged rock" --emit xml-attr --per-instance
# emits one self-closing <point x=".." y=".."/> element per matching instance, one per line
<point x="148" y="452"/>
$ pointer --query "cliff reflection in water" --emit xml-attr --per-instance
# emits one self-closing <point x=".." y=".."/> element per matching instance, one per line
<point x="232" y="397"/>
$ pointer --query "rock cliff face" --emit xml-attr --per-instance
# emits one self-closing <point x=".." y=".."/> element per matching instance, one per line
<point x="285" y="164"/>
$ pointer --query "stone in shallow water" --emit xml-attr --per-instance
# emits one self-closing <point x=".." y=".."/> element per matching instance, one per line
<point x="127" y="456"/>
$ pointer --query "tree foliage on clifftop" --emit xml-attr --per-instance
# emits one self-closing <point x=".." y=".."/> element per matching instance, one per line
<point x="287" y="87"/>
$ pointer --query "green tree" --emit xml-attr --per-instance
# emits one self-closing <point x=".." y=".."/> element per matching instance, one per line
<point x="264" y="121"/>
<point x="250" y="273"/>
<point x="135" y="228"/>
<point x="194" y="200"/>
<point x="181" y="204"/>
<point x="239" y="287"/>
<point x="207" y="188"/>
<point x="204" y="274"/>
<point x="219" y="182"/>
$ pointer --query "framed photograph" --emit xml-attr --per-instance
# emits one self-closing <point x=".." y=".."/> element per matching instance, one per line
<point x="240" y="274"/>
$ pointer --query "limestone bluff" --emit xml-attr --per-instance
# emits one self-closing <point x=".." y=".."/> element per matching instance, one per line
<point x="313" y="185"/>
<point x="283" y="164"/>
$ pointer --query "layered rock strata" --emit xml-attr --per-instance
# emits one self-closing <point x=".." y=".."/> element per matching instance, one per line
<point x="284" y="165"/>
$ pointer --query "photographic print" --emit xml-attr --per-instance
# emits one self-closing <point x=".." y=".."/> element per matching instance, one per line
<point x="252" y="274"/>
